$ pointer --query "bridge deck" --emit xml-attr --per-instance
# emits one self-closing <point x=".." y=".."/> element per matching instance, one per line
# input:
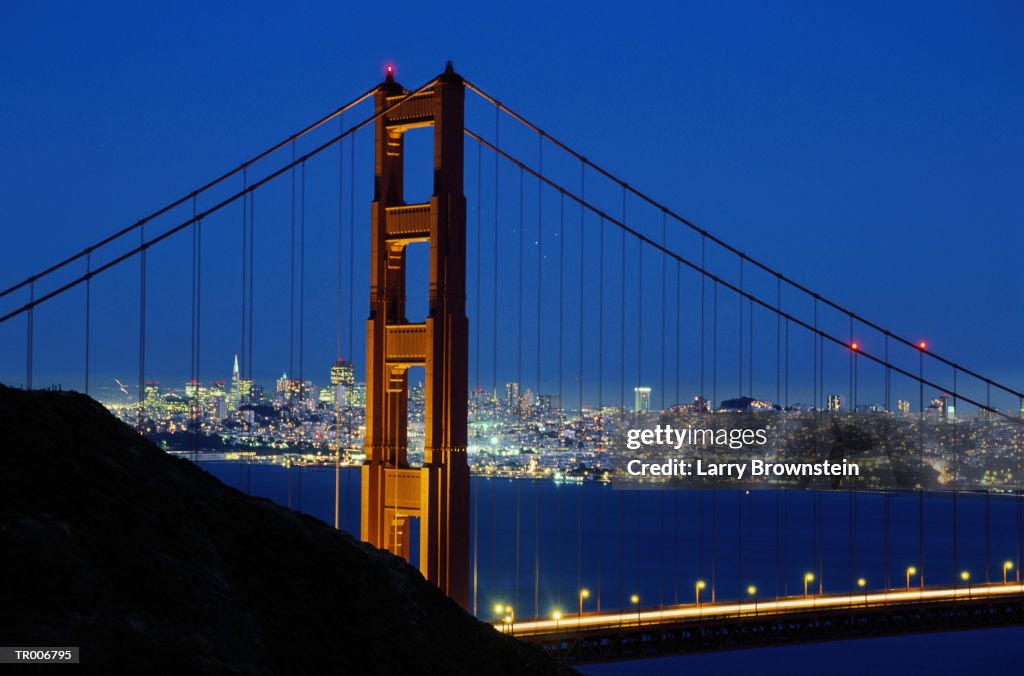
<point x="717" y="626"/>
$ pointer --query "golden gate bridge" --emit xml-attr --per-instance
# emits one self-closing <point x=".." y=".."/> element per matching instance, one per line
<point x="543" y="266"/>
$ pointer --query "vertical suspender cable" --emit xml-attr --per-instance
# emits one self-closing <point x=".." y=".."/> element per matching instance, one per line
<point x="622" y="343"/>
<point x="714" y="543"/>
<point x="352" y="254"/>
<point x="703" y="298"/>
<point x="778" y="340"/>
<point x="351" y="304"/>
<point x="252" y="305"/>
<point x="920" y="468"/>
<point x="142" y="327"/>
<point x="887" y="495"/>
<point x="476" y="541"/>
<point x="88" y="315"/>
<point x="739" y="385"/>
<point x="338" y="302"/>
<point x="750" y="357"/>
<point x="561" y="398"/>
<point x="739" y="543"/>
<point x="714" y="345"/>
<point x="195" y="400"/>
<point x="252" y="270"/>
<point x="664" y="402"/>
<point x="494" y="326"/>
<point x="988" y="493"/>
<point x="540" y="286"/>
<point x="639" y="383"/>
<point x="1020" y="487"/>
<point x="494" y="278"/>
<point x="302" y="289"/>
<point x="479" y="250"/>
<point x="291" y="294"/>
<point x="29" y="338"/>
<point x="581" y="434"/>
<point x="598" y="552"/>
<point x="518" y="403"/>
<point x="582" y="287"/>
<point x="519" y="369"/>
<point x="243" y="315"/>
<point x="956" y="473"/>
<point x="622" y="399"/>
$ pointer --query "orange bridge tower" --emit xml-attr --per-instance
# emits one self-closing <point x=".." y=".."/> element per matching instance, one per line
<point x="438" y="492"/>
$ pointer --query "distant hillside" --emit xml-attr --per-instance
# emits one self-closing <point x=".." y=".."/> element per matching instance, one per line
<point x="149" y="563"/>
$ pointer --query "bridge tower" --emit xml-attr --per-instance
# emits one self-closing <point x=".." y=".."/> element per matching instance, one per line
<point x="438" y="492"/>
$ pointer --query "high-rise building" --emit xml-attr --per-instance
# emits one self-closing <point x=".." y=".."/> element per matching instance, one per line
<point x="327" y="396"/>
<point x="512" y="395"/>
<point x="218" y="399"/>
<point x="835" y="403"/>
<point x="245" y="391"/>
<point x="527" y="399"/>
<point x="903" y="406"/>
<point x="642" y="399"/>
<point x="343" y="380"/>
<point x="950" y="416"/>
<point x="234" y="394"/>
<point x="282" y="390"/>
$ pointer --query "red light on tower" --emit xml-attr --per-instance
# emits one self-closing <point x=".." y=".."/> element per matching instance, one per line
<point x="854" y="346"/>
<point x="389" y="71"/>
<point x="923" y="345"/>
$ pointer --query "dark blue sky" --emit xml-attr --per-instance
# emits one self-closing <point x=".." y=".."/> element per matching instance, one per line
<point x="872" y="152"/>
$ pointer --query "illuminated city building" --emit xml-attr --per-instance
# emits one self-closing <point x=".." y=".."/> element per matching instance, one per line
<point x="246" y="388"/>
<point x="835" y="403"/>
<point x="343" y="380"/>
<point x="512" y="399"/>
<point x="642" y="399"/>
<point x="233" y="397"/>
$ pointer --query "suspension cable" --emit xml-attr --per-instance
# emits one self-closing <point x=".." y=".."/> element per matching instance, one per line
<point x="150" y="242"/>
<point x="704" y="233"/>
<point x="820" y="334"/>
<point x="195" y="193"/>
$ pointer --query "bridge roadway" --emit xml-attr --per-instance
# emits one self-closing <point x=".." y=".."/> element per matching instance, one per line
<point x="624" y="634"/>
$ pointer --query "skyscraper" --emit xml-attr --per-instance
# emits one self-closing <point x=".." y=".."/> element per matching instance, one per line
<point x="343" y="381"/>
<point x="835" y="403"/>
<point x="512" y="395"/>
<point x="234" y="394"/>
<point x="642" y="399"/>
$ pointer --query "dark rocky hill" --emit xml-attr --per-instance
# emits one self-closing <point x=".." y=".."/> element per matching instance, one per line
<point x="149" y="563"/>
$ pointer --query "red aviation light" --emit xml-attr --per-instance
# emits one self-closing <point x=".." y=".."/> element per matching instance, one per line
<point x="854" y="346"/>
<point x="923" y="345"/>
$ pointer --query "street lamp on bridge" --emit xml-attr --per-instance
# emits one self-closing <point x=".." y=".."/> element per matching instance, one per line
<point x="1007" y="565"/>
<point x="697" y="587"/>
<point x="752" y="591"/>
<point x="635" y="600"/>
<point x="506" y="613"/>
<point x="911" y="570"/>
<point x="584" y="594"/>
<point x="808" y="578"/>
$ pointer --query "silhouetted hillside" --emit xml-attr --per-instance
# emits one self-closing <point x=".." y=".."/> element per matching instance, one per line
<point x="149" y="563"/>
